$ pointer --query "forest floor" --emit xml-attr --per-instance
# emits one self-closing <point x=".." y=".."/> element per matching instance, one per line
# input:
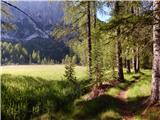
<point x="127" y="100"/>
<point x="127" y="113"/>
<point x="41" y="91"/>
<point x="125" y="110"/>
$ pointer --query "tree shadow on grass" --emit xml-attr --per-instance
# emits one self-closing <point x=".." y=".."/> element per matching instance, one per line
<point x="88" y="110"/>
<point x="125" y="84"/>
<point x="137" y="104"/>
<point x="40" y="96"/>
<point x="92" y="109"/>
<point x="95" y="108"/>
<point x="24" y="97"/>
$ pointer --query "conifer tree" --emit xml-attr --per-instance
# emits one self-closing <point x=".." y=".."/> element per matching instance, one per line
<point x="119" y="47"/>
<point x="69" y="71"/>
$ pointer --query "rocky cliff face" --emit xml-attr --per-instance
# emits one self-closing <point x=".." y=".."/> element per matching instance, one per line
<point x="45" y="15"/>
<point x="33" y="31"/>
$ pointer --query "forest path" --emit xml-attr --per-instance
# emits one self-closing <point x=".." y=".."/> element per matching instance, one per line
<point x="125" y="110"/>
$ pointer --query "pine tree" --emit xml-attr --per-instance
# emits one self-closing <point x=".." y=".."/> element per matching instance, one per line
<point x="119" y="47"/>
<point x="34" y="56"/>
<point x="38" y="58"/>
<point x="78" y="14"/>
<point x="30" y="59"/>
<point x="89" y="40"/>
<point x="69" y="71"/>
<point x="97" y="60"/>
<point x="44" y="60"/>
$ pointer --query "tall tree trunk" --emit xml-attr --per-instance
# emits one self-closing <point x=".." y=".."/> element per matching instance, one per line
<point x="128" y="66"/>
<point x="155" y="94"/>
<point x="135" y="61"/>
<point x="113" y="72"/>
<point x="119" y="48"/>
<point x="89" y="40"/>
<point x="125" y="62"/>
<point x="96" y="66"/>
<point x="138" y="61"/>
<point x="119" y="61"/>
<point x="137" y="12"/>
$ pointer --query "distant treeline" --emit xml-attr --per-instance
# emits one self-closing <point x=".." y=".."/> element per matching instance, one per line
<point x="15" y="53"/>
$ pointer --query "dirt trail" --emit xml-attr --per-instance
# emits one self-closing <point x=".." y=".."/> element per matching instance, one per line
<point x="125" y="108"/>
<point x="100" y="90"/>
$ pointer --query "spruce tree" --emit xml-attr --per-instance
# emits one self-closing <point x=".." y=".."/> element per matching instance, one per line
<point x="69" y="71"/>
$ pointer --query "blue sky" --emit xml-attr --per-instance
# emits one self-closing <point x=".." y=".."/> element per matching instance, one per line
<point x="104" y="16"/>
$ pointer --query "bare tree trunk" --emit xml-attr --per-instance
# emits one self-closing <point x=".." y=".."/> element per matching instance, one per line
<point x="125" y="62"/>
<point x="155" y="93"/>
<point x="113" y="72"/>
<point x="135" y="61"/>
<point x="138" y="61"/>
<point x="128" y="66"/>
<point x="134" y="64"/>
<point x="89" y="40"/>
<point x="119" y="48"/>
<point x="119" y="62"/>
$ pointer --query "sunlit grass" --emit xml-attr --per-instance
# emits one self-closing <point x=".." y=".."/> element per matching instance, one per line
<point x="48" y="72"/>
<point x="142" y="87"/>
<point x="137" y="93"/>
<point x="112" y="115"/>
<point x="24" y="97"/>
<point x="32" y="90"/>
<point x="45" y="85"/>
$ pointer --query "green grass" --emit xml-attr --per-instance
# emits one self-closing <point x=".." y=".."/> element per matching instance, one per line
<point x="48" y="72"/>
<point x="24" y="97"/>
<point x="144" y="80"/>
<point x="142" y="88"/>
<point x="137" y="94"/>
<point x="32" y="90"/>
<point x="40" y="92"/>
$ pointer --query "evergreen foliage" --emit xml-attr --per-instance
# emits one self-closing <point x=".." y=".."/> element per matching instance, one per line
<point x="15" y="53"/>
<point x="69" y="70"/>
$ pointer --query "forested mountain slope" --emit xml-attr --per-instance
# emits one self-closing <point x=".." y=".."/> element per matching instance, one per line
<point x="34" y="33"/>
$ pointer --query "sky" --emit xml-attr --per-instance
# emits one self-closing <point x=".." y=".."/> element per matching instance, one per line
<point x="103" y="16"/>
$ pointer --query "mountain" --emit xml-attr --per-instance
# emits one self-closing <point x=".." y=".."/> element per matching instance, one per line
<point x="45" y="14"/>
<point x="33" y="29"/>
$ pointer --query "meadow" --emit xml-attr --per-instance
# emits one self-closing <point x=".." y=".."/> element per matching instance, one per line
<point x="48" y="72"/>
<point x="40" y="92"/>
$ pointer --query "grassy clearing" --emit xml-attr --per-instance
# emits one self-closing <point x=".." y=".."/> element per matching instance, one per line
<point x="48" y="72"/>
<point x="25" y="97"/>
<point x="39" y="92"/>
<point x="30" y="91"/>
